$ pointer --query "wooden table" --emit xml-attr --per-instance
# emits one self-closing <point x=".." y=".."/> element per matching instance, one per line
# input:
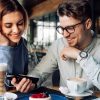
<point x="56" y="88"/>
<point x="97" y="93"/>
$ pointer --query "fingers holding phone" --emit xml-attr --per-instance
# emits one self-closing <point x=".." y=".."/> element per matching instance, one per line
<point x="24" y="85"/>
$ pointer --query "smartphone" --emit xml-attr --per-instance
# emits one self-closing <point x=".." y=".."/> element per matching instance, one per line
<point x="20" y="76"/>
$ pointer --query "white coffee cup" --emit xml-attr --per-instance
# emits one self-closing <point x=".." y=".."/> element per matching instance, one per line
<point x="76" y="85"/>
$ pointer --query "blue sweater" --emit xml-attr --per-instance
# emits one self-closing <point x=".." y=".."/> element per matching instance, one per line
<point x="16" y="58"/>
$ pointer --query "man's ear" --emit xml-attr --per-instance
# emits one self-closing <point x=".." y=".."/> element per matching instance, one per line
<point x="88" y="23"/>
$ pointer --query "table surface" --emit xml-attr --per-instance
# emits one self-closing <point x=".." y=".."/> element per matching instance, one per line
<point x="96" y="93"/>
<point x="55" y="90"/>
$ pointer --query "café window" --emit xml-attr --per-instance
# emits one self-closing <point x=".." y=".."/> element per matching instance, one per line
<point x="45" y="30"/>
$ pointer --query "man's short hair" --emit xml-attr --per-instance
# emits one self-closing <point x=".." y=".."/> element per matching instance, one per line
<point x="78" y="9"/>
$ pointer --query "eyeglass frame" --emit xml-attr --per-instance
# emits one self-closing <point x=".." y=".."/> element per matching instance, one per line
<point x="66" y="28"/>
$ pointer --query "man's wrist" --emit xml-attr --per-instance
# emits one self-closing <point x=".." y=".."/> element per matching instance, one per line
<point x="81" y="55"/>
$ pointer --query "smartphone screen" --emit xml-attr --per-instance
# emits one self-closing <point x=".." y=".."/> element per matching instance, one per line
<point x="20" y="76"/>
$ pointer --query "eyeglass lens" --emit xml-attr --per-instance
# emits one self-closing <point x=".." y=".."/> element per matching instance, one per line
<point x="69" y="29"/>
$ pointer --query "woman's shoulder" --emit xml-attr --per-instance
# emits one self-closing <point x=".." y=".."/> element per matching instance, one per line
<point x="22" y="41"/>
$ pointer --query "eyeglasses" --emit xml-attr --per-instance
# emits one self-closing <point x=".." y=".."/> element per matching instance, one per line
<point x="69" y="29"/>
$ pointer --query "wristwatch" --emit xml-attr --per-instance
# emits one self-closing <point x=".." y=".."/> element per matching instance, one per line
<point x="82" y="55"/>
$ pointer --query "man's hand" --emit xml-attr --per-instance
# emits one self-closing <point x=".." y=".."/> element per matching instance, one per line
<point x="69" y="52"/>
<point x="25" y="85"/>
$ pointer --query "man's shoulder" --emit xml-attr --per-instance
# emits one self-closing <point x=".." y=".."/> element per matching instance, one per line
<point x="96" y="43"/>
<point x="59" y="41"/>
<point x="98" y="39"/>
<point x="58" y="44"/>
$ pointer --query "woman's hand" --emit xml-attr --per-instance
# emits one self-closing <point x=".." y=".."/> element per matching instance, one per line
<point x="3" y="40"/>
<point x="25" y="85"/>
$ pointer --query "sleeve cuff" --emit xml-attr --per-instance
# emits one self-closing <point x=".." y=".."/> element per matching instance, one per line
<point x="78" y="59"/>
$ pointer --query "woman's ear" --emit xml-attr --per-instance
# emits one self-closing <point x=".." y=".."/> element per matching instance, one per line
<point x="88" y="23"/>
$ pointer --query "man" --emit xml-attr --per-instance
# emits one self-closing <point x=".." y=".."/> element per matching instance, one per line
<point x="77" y="53"/>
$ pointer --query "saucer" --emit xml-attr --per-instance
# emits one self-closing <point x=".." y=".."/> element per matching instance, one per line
<point x="86" y="93"/>
<point x="10" y="96"/>
<point x="65" y="91"/>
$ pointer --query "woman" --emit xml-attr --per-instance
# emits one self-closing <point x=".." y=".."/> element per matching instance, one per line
<point x="13" y="51"/>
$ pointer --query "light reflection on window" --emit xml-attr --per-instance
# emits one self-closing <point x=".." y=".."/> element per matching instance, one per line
<point x="46" y="32"/>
